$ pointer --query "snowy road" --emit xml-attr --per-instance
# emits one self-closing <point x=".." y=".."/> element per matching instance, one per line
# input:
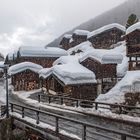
<point x="2" y="92"/>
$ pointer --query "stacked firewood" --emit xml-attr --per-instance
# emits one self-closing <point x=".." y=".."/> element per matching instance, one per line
<point x="26" y="80"/>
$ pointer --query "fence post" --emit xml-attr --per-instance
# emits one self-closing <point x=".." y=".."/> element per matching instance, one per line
<point x="123" y="137"/>
<point x="37" y="117"/>
<point x="22" y="112"/>
<point x="96" y="106"/>
<point x="77" y="103"/>
<point x="62" y="101"/>
<point x="49" y="99"/>
<point x="84" y="133"/>
<point x="57" y="125"/>
<point x="12" y="108"/>
<point x="120" y="109"/>
<point x="39" y="97"/>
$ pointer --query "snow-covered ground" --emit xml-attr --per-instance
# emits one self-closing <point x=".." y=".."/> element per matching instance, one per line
<point x="2" y="93"/>
<point x="22" y="95"/>
<point x="130" y="83"/>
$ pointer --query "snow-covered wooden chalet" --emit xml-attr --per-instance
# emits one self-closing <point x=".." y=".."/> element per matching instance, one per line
<point x="132" y="38"/>
<point x="39" y="55"/>
<point x="106" y="36"/>
<point x="104" y="64"/>
<point x="78" y="37"/>
<point x="24" y="76"/>
<point x="71" y="79"/>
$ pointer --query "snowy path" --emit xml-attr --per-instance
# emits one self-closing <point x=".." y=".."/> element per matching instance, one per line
<point x="2" y="92"/>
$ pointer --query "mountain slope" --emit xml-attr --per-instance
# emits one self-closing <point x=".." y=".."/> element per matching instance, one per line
<point x="118" y="14"/>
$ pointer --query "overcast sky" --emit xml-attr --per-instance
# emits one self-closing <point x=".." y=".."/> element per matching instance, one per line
<point x="37" y="22"/>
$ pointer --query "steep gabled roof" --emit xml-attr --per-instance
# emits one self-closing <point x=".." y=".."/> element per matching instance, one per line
<point x="132" y="28"/>
<point x="105" y="28"/>
<point x="17" y="68"/>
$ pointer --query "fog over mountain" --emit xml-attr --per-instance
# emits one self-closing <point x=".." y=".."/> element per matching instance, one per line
<point x="118" y="14"/>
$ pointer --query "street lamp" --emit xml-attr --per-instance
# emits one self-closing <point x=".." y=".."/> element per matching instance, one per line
<point x="5" y="68"/>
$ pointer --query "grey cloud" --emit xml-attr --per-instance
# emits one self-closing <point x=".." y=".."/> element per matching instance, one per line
<point x="37" y="22"/>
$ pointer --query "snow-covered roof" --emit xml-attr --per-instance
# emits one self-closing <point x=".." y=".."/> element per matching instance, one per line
<point x="84" y="47"/>
<point x="130" y="83"/>
<point x="73" y="74"/>
<point x="66" y="59"/>
<point x="81" y="32"/>
<point x="68" y="36"/>
<point x="30" y="51"/>
<point x="17" y="68"/>
<point x="106" y="27"/>
<point x="103" y="56"/>
<point x="45" y="72"/>
<point x="133" y="28"/>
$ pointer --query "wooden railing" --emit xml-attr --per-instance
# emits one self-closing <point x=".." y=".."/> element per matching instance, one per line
<point x="117" y="108"/>
<point x="122" y="135"/>
<point x="2" y="110"/>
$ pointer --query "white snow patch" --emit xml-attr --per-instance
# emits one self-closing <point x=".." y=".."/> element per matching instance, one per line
<point x="46" y="72"/>
<point x="84" y="47"/>
<point x="81" y="32"/>
<point x="31" y="51"/>
<point x="25" y="94"/>
<point x="66" y="60"/>
<point x="130" y="83"/>
<point x="68" y="36"/>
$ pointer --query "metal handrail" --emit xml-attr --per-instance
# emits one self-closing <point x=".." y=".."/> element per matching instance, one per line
<point x="123" y="135"/>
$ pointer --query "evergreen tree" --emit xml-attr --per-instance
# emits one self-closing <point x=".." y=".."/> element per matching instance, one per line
<point x="132" y="19"/>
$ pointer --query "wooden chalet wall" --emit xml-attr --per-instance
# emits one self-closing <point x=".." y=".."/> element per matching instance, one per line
<point x="77" y="39"/>
<point x="26" y="80"/>
<point x="65" y="43"/>
<point x="107" y="38"/>
<point x="84" y="91"/>
<point x="46" y="62"/>
<point x="100" y="70"/>
<point x="106" y="74"/>
<point x="50" y="83"/>
<point x="133" y="49"/>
